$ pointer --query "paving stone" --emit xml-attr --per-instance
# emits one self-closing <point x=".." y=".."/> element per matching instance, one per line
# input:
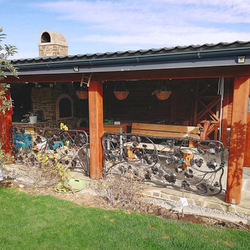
<point x="190" y="201"/>
<point x="242" y="210"/>
<point x="229" y="208"/>
<point x="172" y="192"/>
<point x="174" y="198"/>
<point x="214" y="206"/>
<point x="147" y="193"/>
<point x="165" y="196"/>
<point x="199" y="203"/>
<point x="156" y="194"/>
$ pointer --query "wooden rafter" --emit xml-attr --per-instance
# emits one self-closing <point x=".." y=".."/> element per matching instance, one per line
<point x="208" y="109"/>
<point x="207" y="104"/>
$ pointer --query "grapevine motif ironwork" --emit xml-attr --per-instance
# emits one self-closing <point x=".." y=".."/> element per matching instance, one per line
<point x="67" y="147"/>
<point x="166" y="161"/>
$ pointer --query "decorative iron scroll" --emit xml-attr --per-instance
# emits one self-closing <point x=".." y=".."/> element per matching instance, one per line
<point x="166" y="161"/>
<point x="34" y="145"/>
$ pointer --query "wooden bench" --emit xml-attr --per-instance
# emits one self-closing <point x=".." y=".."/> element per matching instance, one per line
<point x="158" y="130"/>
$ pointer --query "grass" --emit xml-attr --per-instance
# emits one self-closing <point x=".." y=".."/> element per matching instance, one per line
<point x="44" y="222"/>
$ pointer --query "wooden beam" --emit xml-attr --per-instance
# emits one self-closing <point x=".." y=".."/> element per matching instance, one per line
<point x="237" y="139"/>
<point x="5" y="124"/>
<point x="209" y="72"/>
<point x="45" y="78"/>
<point x="225" y="112"/>
<point x="96" y="128"/>
<point x="247" y="145"/>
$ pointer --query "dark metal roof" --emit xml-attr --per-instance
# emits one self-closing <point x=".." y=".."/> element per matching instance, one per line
<point x="140" y="53"/>
<point x="207" y="55"/>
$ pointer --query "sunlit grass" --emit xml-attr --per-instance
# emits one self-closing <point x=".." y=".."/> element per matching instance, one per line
<point x="44" y="222"/>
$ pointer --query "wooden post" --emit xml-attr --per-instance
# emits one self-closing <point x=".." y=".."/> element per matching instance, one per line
<point x="5" y="124"/>
<point x="237" y="139"/>
<point x="247" y="145"/>
<point x="225" y="112"/>
<point x="96" y="128"/>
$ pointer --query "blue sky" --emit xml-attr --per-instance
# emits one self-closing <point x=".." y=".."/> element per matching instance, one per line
<point x="92" y="26"/>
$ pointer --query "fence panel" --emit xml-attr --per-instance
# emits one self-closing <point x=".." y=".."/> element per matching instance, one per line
<point x="166" y="162"/>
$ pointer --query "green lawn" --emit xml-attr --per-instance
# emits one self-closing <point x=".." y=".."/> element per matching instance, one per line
<point x="44" y="222"/>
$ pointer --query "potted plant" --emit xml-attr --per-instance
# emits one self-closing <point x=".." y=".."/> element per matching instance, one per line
<point x="162" y="92"/>
<point x="82" y="93"/>
<point x="122" y="93"/>
<point x="33" y="117"/>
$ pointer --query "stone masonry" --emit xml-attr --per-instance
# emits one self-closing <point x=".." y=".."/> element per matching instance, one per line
<point x="52" y="44"/>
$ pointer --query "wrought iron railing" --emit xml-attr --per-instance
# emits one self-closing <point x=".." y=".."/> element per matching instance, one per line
<point x="38" y="146"/>
<point x="166" y="161"/>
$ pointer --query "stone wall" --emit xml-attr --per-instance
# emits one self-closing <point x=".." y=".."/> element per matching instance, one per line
<point x="52" y="50"/>
<point x="44" y="99"/>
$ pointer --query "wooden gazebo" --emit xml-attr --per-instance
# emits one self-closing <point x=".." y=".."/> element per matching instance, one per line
<point x="228" y="61"/>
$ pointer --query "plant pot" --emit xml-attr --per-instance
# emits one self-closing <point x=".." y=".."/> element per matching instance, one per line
<point x="76" y="184"/>
<point x="82" y="94"/>
<point x="163" y="95"/>
<point x="121" y="95"/>
<point x="33" y="119"/>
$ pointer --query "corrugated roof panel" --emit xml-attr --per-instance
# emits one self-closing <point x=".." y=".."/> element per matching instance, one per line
<point x="130" y="53"/>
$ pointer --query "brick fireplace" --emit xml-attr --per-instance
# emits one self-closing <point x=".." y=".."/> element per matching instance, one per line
<point x="46" y="102"/>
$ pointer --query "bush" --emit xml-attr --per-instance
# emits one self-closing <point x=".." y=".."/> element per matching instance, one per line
<point x="121" y="190"/>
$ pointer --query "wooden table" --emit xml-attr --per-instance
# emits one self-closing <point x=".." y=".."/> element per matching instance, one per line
<point x="121" y="128"/>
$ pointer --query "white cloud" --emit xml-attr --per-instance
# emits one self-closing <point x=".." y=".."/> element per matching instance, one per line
<point x="156" y="23"/>
<point x="217" y="11"/>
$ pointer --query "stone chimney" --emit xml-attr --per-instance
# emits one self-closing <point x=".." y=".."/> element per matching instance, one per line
<point x="52" y="44"/>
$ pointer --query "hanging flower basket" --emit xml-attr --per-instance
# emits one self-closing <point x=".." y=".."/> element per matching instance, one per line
<point x="121" y="95"/>
<point x="163" y="95"/>
<point x="121" y="91"/>
<point x="82" y="94"/>
<point x="163" y="90"/>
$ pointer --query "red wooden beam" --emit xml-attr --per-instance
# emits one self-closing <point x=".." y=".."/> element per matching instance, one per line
<point x="5" y="124"/>
<point x="237" y="139"/>
<point x="225" y="112"/>
<point x="44" y="78"/>
<point x="209" y="72"/>
<point x="96" y="128"/>
<point x="247" y="146"/>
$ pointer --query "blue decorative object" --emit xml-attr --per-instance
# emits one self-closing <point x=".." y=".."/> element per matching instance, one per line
<point x="23" y="140"/>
